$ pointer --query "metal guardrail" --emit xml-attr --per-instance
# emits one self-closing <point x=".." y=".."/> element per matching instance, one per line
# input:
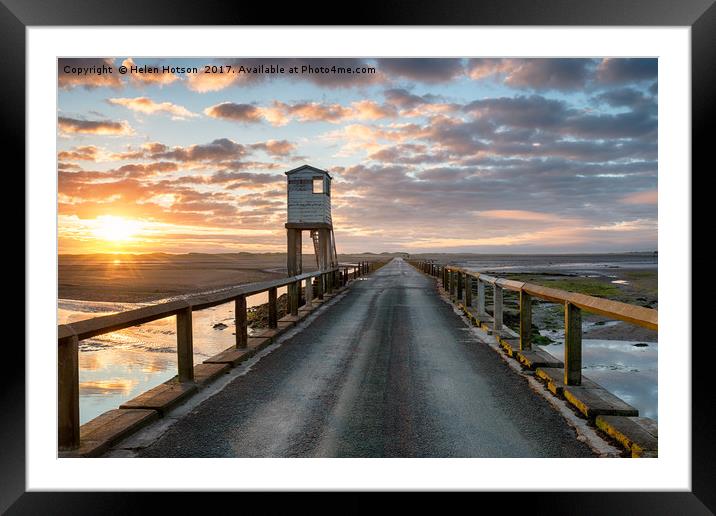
<point x="69" y="335"/>
<point x="459" y="283"/>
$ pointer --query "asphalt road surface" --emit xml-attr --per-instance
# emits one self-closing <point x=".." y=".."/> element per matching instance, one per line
<point x="388" y="371"/>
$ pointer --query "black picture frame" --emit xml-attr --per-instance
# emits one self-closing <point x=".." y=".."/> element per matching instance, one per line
<point x="17" y="15"/>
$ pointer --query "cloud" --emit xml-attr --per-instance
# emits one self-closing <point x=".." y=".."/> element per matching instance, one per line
<point x="83" y="153"/>
<point x="644" y="197"/>
<point x="621" y="70"/>
<point x="149" y="107"/>
<point x="426" y="70"/>
<point x="520" y="111"/>
<point x="521" y="215"/>
<point x="87" y="73"/>
<point x="629" y="98"/>
<point x="281" y="113"/>
<point x="275" y="147"/>
<point x="219" y="149"/>
<point x="160" y="79"/>
<point x="98" y="127"/>
<point x="562" y="74"/>
<point x="536" y="74"/>
<point x="539" y="113"/>
<point x="248" y="73"/>
<point x="550" y="74"/>
<point x="235" y="112"/>
<point x="203" y="82"/>
<point x="484" y="68"/>
<point x="411" y="105"/>
<point x="559" y="160"/>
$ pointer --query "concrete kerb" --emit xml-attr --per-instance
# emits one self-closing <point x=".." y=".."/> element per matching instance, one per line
<point x="585" y="433"/>
<point x="146" y="436"/>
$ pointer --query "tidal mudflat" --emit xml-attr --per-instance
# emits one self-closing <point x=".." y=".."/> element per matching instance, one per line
<point x="620" y="356"/>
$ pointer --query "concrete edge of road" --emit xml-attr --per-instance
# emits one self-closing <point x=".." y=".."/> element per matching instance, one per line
<point x="154" y="430"/>
<point x="585" y="433"/>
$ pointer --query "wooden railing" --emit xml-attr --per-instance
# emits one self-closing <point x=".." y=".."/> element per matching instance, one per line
<point x="69" y="335"/>
<point x="459" y="283"/>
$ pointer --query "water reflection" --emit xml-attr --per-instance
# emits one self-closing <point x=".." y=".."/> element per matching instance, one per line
<point x="118" y="366"/>
<point x="628" y="369"/>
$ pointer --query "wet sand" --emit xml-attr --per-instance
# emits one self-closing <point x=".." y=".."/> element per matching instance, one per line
<point x="627" y="277"/>
<point x="147" y="277"/>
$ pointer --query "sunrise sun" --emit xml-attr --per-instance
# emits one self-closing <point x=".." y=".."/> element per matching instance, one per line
<point x="116" y="229"/>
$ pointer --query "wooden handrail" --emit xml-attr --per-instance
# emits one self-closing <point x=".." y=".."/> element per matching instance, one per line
<point x="109" y="323"/>
<point x="634" y="314"/>
<point x="69" y="335"/>
<point x="452" y="280"/>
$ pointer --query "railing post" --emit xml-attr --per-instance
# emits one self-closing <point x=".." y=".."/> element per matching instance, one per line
<point x="468" y="291"/>
<point x="453" y="284"/>
<point x="242" y="333"/>
<point x="525" y="321"/>
<point x="460" y="285"/>
<point x="68" y="393"/>
<point x="572" y="344"/>
<point x="497" y="312"/>
<point x="319" y="286"/>
<point x="480" y="297"/>
<point x="309" y="292"/>
<point x="290" y="296"/>
<point x="296" y="297"/>
<point x="185" y="346"/>
<point x="445" y="281"/>
<point x="272" y="316"/>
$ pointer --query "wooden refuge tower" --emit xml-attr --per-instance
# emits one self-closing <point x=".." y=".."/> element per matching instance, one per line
<point x="309" y="208"/>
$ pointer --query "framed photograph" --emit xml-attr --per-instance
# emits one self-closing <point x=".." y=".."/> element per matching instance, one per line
<point x="424" y="255"/>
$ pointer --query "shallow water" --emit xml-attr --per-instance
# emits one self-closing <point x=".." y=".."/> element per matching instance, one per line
<point x="118" y="366"/>
<point x="624" y="369"/>
<point x="627" y="371"/>
<point x="587" y="265"/>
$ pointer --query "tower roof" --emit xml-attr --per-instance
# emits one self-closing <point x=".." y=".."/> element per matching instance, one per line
<point x="308" y="167"/>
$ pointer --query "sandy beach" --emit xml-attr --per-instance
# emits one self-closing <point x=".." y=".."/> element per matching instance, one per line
<point x="134" y="278"/>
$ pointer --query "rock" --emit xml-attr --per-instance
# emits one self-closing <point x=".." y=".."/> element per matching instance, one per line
<point x="220" y="326"/>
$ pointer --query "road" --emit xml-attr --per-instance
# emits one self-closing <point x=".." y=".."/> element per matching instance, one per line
<point x="389" y="370"/>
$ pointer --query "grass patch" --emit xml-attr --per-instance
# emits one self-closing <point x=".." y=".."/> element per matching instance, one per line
<point x="541" y="340"/>
<point x="589" y="286"/>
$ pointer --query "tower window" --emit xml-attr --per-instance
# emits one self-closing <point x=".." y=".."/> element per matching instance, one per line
<point x="318" y="185"/>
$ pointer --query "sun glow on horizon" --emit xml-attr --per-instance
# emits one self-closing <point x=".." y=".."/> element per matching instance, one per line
<point x="116" y="229"/>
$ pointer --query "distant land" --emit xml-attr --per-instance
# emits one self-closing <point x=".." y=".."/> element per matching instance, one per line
<point x="132" y="278"/>
<point x="151" y="276"/>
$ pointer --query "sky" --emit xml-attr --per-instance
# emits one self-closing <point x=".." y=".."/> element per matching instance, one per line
<point x="427" y="155"/>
